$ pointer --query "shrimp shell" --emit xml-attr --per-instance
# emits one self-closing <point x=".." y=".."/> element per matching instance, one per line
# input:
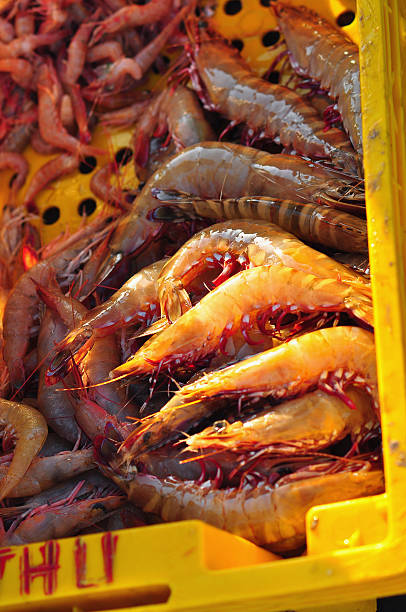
<point x="329" y="358"/>
<point x="245" y="243"/>
<point x="198" y="333"/>
<point x="322" y="51"/>
<point x="30" y="429"/>
<point x="267" y="516"/>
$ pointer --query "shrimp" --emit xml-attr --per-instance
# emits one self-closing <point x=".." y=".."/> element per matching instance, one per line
<point x="50" y="125"/>
<point x="66" y="112"/>
<point x="237" y="245"/>
<point x="268" y="516"/>
<point x="18" y="164"/>
<point x="180" y="110"/>
<point x="330" y="359"/>
<point x="227" y="170"/>
<point x="56" y="168"/>
<point x="77" y="53"/>
<point x="102" y="188"/>
<point x="52" y="523"/>
<point x="30" y="430"/>
<point x="20" y="70"/>
<point x="54" y="404"/>
<point x="308" y="423"/>
<point x="129" y="17"/>
<point x="94" y="366"/>
<point x="45" y="472"/>
<point x="125" y="117"/>
<point x="26" y="45"/>
<point x="110" y="50"/>
<point x="231" y="88"/>
<point x="244" y="298"/>
<point x="24" y="24"/>
<point x="17" y="138"/>
<point x="40" y="146"/>
<point x="23" y="302"/>
<point x="136" y="302"/>
<point x="320" y="50"/>
<point x="311" y="222"/>
<point x="7" y="32"/>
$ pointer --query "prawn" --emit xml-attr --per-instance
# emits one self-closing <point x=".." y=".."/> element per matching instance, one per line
<point x="94" y="366"/>
<point x="314" y="223"/>
<point x="308" y="423"/>
<point x="268" y="516"/>
<point x="320" y="50"/>
<point x="30" y="430"/>
<point x="102" y="188"/>
<point x="246" y="299"/>
<point x="52" y="523"/>
<point x="22" y="305"/>
<point x="178" y="111"/>
<point x="271" y="110"/>
<point x="136" y="302"/>
<point x="45" y="472"/>
<point x="227" y="170"/>
<point x="55" y="405"/>
<point x="330" y="359"/>
<point x="50" y="171"/>
<point x="242" y="244"/>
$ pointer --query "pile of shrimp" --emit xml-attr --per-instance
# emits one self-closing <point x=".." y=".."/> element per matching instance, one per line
<point x="206" y="350"/>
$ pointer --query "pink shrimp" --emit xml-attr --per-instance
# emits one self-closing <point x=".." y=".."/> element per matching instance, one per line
<point x="77" y="53"/>
<point x="125" y="117"/>
<point x="26" y="45"/>
<point x="56" y="168"/>
<point x="110" y="50"/>
<point x="101" y="186"/>
<point x="51" y="128"/>
<point x="20" y="71"/>
<point x="131" y="16"/>
<point x="24" y="24"/>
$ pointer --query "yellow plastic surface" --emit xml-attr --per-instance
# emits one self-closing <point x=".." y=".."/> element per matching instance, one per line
<point x="357" y="549"/>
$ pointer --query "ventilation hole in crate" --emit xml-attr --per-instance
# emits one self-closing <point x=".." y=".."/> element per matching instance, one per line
<point x="345" y="18"/>
<point x="123" y="156"/>
<point x="87" y="207"/>
<point x="232" y="7"/>
<point x="270" y="38"/>
<point x="51" y="215"/>
<point x="265" y="2"/>
<point x="87" y="165"/>
<point x="238" y="44"/>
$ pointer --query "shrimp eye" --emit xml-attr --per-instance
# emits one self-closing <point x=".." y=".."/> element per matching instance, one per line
<point x="220" y="425"/>
<point x="99" y="506"/>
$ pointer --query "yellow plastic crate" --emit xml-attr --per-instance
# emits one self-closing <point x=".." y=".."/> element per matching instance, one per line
<point x="356" y="549"/>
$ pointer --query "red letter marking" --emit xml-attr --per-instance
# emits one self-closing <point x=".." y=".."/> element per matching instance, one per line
<point x="109" y="545"/>
<point x="48" y="569"/>
<point x="5" y="555"/>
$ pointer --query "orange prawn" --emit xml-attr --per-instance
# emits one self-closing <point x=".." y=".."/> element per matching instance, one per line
<point x="238" y="245"/>
<point x="245" y="300"/>
<point x="330" y="359"/>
